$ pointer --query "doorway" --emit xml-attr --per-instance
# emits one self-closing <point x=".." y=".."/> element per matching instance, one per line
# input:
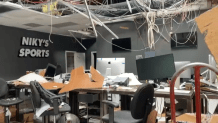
<point x="69" y="59"/>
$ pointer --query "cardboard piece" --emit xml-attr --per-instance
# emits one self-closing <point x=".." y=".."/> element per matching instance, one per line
<point x="214" y="119"/>
<point x="208" y="23"/>
<point x="79" y="79"/>
<point x="42" y="73"/>
<point x="191" y="118"/>
<point x="13" y="110"/>
<point x="2" y="115"/>
<point x="52" y="85"/>
<point x="152" y="117"/>
<point x="28" y="117"/>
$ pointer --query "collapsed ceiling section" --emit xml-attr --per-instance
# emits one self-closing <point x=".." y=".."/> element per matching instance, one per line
<point x="82" y="16"/>
<point x="102" y="8"/>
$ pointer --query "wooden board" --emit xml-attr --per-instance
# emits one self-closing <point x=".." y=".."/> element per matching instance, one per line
<point x="42" y="73"/>
<point x="79" y="79"/>
<point x="207" y="24"/>
<point x="189" y="118"/>
<point x="52" y="85"/>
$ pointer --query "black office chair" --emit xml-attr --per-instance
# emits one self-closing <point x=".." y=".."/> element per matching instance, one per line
<point x="40" y="94"/>
<point x="6" y="102"/>
<point x="140" y="108"/>
<point x="58" y="70"/>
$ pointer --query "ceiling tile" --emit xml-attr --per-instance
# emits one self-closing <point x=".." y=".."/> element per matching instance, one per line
<point x="33" y="25"/>
<point x="65" y="24"/>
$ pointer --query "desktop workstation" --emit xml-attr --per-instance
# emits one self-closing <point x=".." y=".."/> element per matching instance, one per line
<point x="156" y="71"/>
<point x="126" y="41"/>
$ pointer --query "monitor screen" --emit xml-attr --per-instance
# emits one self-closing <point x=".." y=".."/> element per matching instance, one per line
<point x="184" y="40"/>
<point x="212" y="62"/>
<point x="187" y="72"/>
<point x="122" y="42"/>
<point x="111" y="66"/>
<point x="50" y="70"/>
<point x="158" y="67"/>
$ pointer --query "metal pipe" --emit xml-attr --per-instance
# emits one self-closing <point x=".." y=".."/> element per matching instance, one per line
<point x="90" y="17"/>
<point x="77" y="40"/>
<point x="197" y="66"/>
<point x="197" y="94"/>
<point x="71" y="7"/>
<point x="106" y="27"/>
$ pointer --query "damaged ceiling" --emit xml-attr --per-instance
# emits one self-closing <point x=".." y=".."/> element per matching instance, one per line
<point x="73" y="16"/>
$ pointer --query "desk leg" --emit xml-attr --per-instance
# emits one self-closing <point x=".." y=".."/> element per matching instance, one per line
<point x="17" y="106"/>
<point x="190" y="106"/>
<point x="73" y="102"/>
<point x="103" y="107"/>
<point x="125" y="102"/>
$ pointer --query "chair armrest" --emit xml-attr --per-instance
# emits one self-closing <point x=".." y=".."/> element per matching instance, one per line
<point x="58" y="96"/>
<point x="110" y="103"/>
<point x="55" y="102"/>
<point x="111" y="106"/>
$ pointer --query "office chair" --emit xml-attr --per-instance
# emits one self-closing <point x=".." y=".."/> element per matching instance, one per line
<point x="58" y="70"/>
<point x="40" y="94"/>
<point x="140" y="107"/>
<point x="6" y="102"/>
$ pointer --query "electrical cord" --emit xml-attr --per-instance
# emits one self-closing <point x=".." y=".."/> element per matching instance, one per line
<point x="51" y="23"/>
<point x="151" y="26"/>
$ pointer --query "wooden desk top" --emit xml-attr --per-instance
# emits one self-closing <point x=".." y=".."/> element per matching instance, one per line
<point x="49" y="85"/>
<point x="52" y="85"/>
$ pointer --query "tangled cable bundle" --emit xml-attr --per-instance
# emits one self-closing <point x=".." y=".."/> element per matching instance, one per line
<point x="150" y="17"/>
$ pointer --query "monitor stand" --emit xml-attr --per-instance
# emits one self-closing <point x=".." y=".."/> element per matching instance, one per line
<point x="157" y="81"/>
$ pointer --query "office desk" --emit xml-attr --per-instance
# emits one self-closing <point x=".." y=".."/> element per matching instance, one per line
<point x="126" y="95"/>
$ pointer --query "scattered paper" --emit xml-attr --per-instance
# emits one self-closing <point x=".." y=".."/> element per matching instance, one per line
<point x="132" y="79"/>
<point x="159" y="105"/>
<point x="44" y="107"/>
<point x="212" y="103"/>
<point x="167" y="89"/>
<point x="32" y="77"/>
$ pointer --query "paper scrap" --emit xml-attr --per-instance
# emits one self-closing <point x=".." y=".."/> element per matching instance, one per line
<point x="32" y="77"/>
<point x="44" y="107"/>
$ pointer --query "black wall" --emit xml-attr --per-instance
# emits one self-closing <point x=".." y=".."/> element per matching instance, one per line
<point x="12" y="66"/>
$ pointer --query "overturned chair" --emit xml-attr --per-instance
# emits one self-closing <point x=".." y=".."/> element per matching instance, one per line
<point x="39" y="94"/>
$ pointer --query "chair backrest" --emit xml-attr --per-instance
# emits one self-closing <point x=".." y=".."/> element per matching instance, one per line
<point x="58" y="70"/>
<point x="39" y="93"/>
<point x="142" y="101"/>
<point x="36" y="98"/>
<point x="3" y="87"/>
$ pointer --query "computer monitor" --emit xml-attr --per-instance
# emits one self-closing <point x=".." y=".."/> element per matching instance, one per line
<point x="212" y="62"/>
<point x="187" y="72"/>
<point x="116" y="66"/>
<point x="159" y="67"/>
<point x="50" y="70"/>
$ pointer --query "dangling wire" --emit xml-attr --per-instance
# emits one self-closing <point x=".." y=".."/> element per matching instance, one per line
<point x="51" y="23"/>
<point x="151" y="26"/>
